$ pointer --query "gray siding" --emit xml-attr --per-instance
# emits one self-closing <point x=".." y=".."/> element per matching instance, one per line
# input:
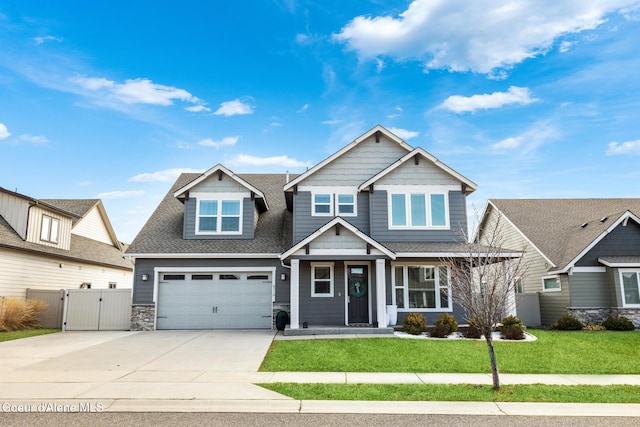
<point x="248" y="221"/>
<point x="553" y="305"/>
<point x="322" y="310"/>
<point x="143" y="290"/>
<point x="622" y="241"/>
<point x="591" y="290"/>
<point x="379" y="214"/>
<point x="304" y="223"/>
<point x="424" y="173"/>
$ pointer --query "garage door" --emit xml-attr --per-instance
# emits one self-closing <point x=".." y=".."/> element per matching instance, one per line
<point x="227" y="300"/>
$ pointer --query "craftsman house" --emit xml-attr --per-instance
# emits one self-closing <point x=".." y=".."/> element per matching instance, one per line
<point x="353" y="239"/>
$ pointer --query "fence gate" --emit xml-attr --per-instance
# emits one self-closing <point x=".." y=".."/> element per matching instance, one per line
<point x="97" y="310"/>
<point x="51" y="317"/>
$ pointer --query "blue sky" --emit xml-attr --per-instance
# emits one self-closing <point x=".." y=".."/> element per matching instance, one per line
<point x="112" y="100"/>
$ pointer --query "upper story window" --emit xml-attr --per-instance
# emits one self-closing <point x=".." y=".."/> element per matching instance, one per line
<point x="49" y="229"/>
<point x="219" y="216"/>
<point x="334" y="202"/>
<point x="418" y="210"/>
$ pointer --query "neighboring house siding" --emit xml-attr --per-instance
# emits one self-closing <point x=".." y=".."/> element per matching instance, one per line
<point x="21" y="270"/>
<point x="15" y="211"/>
<point x="553" y="305"/>
<point x="621" y="241"/>
<point x="358" y="164"/>
<point x="93" y="227"/>
<point x="304" y="223"/>
<point x="322" y="310"/>
<point x="143" y="290"/>
<point x="248" y="222"/>
<point x="35" y="227"/>
<point x="380" y="221"/>
<point x="591" y="290"/>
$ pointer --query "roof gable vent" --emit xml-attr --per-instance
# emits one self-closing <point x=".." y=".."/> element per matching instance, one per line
<point x="584" y="225"/>
<point x="603" y="219"/>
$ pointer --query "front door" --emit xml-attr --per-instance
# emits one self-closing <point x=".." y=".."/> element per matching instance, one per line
<point x="358" y="292"/>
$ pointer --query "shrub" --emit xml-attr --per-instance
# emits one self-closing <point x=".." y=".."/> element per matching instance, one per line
<point x="473" y="331"/>
<point x="18" y="314"/>
<point x="593" y="327"/>
<point x="512" y="328"/>
<point x="414" y="324"/>
<point x="445" y="325"/>
<point x="567" y="323"/>
<point x="618" y="324"/>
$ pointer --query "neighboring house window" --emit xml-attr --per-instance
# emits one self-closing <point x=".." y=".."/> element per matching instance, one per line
<point x="49" y="231"/>
<point x="630" y="283"/>
<point x="113" y="285"/>
<point x="422" y="287"/>
<point x="85" y="285"/>
<point x="519" y="287"/>
<point x="418" y="210"/>
<point x="219" y="217"/>
<point x="321" y="280"/>
<point x="322" y="204"/>
<point x="551" y="284"/>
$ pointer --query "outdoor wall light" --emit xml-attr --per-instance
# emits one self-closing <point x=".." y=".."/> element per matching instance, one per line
<point x="283" y="277"/>
<point x="145" y="277"/>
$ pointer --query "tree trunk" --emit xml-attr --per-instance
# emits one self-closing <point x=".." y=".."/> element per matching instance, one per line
<point x="494" y="362"/>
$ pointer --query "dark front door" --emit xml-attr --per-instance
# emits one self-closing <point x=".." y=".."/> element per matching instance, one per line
<point x="358" y="291"/>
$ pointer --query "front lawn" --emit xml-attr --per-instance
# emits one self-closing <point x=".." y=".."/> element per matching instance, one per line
<point x="459" y="392"/>
<point x="16" y="335"/>
<point x="555" y="352"/>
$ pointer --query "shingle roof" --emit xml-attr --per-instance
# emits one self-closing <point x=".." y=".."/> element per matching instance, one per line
<point x="163" y="232"/>
<point x="557" y="226"/>
<point x="78" y="207"/>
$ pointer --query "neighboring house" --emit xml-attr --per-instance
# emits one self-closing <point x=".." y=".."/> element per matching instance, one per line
<point x="363" y="229"/>
<point x="583" y="254"/>
<point x="58" y="244"/>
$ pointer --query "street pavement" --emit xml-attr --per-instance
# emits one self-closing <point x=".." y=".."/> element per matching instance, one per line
<point x="217" y="371"/>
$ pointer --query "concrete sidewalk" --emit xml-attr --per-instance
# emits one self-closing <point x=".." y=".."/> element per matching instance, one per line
<point x="217" y="371"/>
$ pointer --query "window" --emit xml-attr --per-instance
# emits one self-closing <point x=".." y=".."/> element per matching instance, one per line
<point x="630" y="284"/>
<point x="551" y="284"/>
<point x="258" y="277"/>
<point x="346" y="204"/>
<point x="219" y="216"/>
<point x="229" y="277"/>
<point x="418" y="210"/>
<point x="113" y="285"/>
<point x="85" y="285"/>
<point x="49" y="230"/>
<point x="519" y="287"/>
<point x="202" y="277"/>
<point x="322" y="204"/>
<point x="321" y="280"/>
<point x="421" y="287"/>
<point x="173" y="276"/>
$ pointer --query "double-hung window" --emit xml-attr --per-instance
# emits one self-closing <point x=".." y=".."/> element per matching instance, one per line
<point x="418" y="210"/>
<point x="323" y="204"/>
<point x="333" y="202"/>
<point x="49" y="229"/>
<point x="421" y="288"/>
<point x="219" y="216"/>
<point x="630" y="287"/>
<point x="322" y="280"/>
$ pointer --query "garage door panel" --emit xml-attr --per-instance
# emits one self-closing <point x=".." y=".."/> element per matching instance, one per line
<point x="228" y="300"/>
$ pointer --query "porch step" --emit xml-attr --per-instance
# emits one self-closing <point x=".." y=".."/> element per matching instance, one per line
<point x="338" y="330"/>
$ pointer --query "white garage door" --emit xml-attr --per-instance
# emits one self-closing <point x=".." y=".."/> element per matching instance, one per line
<point x="227" y="300"/>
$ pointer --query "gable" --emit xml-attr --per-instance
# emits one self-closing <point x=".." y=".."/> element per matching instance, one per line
<point x="423" y="173"/>
<point x="93" y="227"/>
<point x="15" y="211"/>
<point x="622" y="241"/>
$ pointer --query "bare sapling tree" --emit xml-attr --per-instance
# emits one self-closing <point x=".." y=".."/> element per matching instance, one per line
<point x="483" y="282"/>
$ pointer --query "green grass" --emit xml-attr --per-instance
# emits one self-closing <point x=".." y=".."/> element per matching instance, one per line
<point x="16" y="335"/>
<point x="460" y="392"/>
<point x="555" y="352"/>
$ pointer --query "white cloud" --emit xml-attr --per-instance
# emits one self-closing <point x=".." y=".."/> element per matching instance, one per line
<point x="479" y="35"/>
<point x="284" y="161"/>
<point x="332" y="122"/>
<point x="404" y="134"/>
<point x="628" y="147"/>
<point x="508" y="143"/>
<point x="33" y="139"/>
<point x="113" y="195"/>
<point x="232" y="108"/>
<point x="461" y="104"/>
<point x="304" y="108"/>
<point x="140" y="91"/>
<point x="167" y="175"/>
<point x="542" y="132"/>
<point x="42" y="39"/>
<point x="565" y="46"/>
<point x="224" y="142"/>
<point x="4" y="132"/>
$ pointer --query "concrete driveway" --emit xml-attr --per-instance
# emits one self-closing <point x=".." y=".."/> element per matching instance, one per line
<point x="145" y="369"/>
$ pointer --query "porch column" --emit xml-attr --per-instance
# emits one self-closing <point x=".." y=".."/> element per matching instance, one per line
<point x="381" y="294"/>
<point x="294" y="295"/>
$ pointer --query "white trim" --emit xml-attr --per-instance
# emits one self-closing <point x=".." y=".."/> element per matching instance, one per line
<point x="204" y="255"/>
<point x="346" y="148"/>
<point x="294" y="295"/>
<point x="314" y="204"/>
<point x="558" y="289"/>
<point x="405" y="287"/>
<point x="420" y="151"/>
<point x="334" y="193"/>
<point x="346" y="288"/>
<point x="628" y="270"/>
<point x="589" y="269"/>
<point x="332" y="279"/>
<point x="400" y="255"/>
<point x="618" y="264"/>
<point x="219" y="198"/>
